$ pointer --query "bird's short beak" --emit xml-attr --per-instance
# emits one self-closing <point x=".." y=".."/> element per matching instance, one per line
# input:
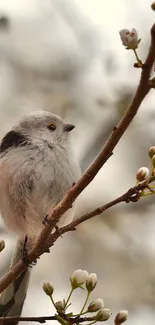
<point x="69" y="127"/>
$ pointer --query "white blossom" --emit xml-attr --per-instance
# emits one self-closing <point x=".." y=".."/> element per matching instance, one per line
<point x="129" y="39"/>
<point x="78" y="278"/>
<point x="91" y="282"/>
<point x="60" y="305"/>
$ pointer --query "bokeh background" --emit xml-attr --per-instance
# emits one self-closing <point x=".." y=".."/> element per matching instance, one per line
<point x="66" y="56"/>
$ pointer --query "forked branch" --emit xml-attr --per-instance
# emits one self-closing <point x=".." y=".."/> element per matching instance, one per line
<point x="56" y="213"/>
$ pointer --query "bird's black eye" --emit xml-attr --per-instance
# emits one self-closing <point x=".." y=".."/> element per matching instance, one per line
<point x="51" y="126"/>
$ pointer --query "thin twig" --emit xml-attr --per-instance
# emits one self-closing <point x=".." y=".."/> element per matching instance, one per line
<point x="55" y="214"/>
<point x="132" y="195"/>
<point x="40" y="319"/>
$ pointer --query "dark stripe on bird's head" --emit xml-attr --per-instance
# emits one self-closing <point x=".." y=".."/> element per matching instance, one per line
<point x="13" y="139"/>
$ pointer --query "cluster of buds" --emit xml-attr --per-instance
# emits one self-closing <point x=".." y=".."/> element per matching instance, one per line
<point x="82" y="279"/>
<point x="145" y="176"/>
<point x="78" y="278"/>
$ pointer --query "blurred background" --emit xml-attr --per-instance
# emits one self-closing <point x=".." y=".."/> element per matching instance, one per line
<point x="66" y="56"/>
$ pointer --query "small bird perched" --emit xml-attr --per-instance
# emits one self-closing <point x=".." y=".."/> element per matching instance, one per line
<point x="37" y="167"/>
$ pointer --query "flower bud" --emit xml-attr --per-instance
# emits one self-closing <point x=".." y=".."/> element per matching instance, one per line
<point x="78" y="278"/>
<point x="129" y="39"/>
<point x="121" y="317"/>
<point x="151" y="151"/>
<point x="153" y="161"/>
<point x="95" y="305"/>
<point x="48" y="289"/>
<point x="60" y="306"/>
<point x="103" y="314"/>
<point x="153" y="6"/>
<point x="91" y="282"/>
<point x="142" y="174"/>
<point x="2" y="245"/>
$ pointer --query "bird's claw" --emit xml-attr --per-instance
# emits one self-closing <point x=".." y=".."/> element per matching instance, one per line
<point x="24" y="254"/>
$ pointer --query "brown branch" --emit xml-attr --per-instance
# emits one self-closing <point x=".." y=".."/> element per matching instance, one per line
<point x="88" y="176"/>
<point x="40" y="319"/>
<point x="55" y="214"/>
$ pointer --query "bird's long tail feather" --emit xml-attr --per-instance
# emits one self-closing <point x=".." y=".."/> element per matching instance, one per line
<point x="12" y="298"/>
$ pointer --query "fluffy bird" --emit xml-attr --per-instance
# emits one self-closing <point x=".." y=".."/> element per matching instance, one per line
<point x="37" y="167"/>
